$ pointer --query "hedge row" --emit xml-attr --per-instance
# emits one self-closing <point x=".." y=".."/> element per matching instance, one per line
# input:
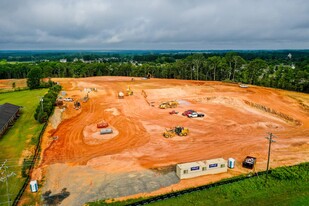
<point x="46" y="106"/>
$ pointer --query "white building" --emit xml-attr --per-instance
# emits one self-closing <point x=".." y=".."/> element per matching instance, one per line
<point x="206" y="167"/>
<point x="63" y="60"/>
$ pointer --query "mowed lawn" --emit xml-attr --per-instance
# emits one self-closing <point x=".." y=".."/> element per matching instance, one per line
<point x="20" y="137"/>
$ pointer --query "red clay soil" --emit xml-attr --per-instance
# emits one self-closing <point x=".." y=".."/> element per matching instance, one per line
<point x="234" y="125"/>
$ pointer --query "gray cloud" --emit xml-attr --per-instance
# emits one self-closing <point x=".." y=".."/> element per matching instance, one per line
<point x="154" y="24"/>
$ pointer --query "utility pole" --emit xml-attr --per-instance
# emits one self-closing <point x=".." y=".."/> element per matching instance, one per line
<point x="4" y="177"/>
<point x="270" y="138"/>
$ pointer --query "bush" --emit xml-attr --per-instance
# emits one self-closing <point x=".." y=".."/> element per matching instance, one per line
<point x="26" y="165"/>
<point x="290" y="173"/>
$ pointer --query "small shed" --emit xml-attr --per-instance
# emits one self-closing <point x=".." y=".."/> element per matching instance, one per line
<point x="199" y="168"/>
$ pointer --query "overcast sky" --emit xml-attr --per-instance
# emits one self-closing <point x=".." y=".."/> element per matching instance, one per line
<point x="154" y="24"/>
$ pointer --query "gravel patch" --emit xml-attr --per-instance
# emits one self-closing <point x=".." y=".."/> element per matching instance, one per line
<point x="86" y="184"/>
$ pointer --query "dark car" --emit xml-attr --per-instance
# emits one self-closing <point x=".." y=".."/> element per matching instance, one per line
<point x="200" y="115"/>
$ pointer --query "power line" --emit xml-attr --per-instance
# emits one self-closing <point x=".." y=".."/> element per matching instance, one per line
<point x="4" y="175"/>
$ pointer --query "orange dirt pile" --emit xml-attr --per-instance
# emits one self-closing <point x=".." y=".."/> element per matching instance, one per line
<point x="232" y="127"/>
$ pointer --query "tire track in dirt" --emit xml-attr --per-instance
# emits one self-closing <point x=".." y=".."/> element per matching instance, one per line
<point x="71" y="145"/>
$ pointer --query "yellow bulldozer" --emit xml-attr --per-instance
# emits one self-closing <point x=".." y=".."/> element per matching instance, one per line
<point x="180" y="131"/>
<point x="170" y="104"/>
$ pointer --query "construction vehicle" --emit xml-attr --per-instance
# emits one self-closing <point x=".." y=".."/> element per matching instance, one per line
<point x="76" y="105"/>
<point x="170" y="104"/>
<point x="86" y="98"/>
<point x="120" y="95"/>
<point x="169" y="133"/>
<point x="180" y="131"/>
<point x="129" y="92"/>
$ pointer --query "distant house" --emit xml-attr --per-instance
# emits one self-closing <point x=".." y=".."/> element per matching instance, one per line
<point x="8" y="114"/>
<point x="63" y="60"/>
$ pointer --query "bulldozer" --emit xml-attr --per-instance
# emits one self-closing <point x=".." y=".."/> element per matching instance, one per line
<point x="180" y="131"/>
<point x="170" y="104"/>
<point x="129" y="92"/>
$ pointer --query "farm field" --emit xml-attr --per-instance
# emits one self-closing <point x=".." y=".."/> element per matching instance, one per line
<point x="6" y="85"/>
<point x="17" y="143"/>
<point x="92" y="166"/>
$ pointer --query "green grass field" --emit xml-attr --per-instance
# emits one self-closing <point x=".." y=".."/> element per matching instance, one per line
<point x="285" y="186"/>
<point x="22" y="136"/>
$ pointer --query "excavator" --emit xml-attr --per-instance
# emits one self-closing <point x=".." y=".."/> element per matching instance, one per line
<point x="129" y="91"/>
<point x="170" y="104"/>
<point x="180" y="131"/>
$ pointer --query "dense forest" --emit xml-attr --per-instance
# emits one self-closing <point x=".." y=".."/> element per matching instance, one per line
<point x="279" y="69"/>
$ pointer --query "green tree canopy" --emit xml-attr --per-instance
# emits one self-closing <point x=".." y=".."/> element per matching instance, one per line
<point x="34" y="77"/>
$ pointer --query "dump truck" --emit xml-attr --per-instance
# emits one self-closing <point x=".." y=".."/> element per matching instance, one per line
<point x="170" y="104"/>
<point x="180" y="131"/>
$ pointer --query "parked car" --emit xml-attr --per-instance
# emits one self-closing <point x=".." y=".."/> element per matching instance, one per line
<point x="195" y="114"/>
<point x="200" y="115"/>
<point x="187" y="112"/>
<point x="173" y="112"/>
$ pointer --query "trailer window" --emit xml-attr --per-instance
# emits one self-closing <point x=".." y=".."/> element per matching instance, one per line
<point x="222" y="165"/>
<point x="204" y="168"/>
<point x="185" y="171"/>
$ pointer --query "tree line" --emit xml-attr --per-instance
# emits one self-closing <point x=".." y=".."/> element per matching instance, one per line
<point x="231" y="67"/>
<point x="46" y="106"/>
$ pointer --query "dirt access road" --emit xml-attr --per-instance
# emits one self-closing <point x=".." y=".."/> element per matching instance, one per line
<point x="235" y="124"/>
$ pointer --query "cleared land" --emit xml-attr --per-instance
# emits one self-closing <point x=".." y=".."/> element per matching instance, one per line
<point x="6" y="85"/>
<point x="18" y="142"/>
<point x="235" y="124"/>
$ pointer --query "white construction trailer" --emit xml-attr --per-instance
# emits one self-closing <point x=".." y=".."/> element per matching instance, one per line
<point x="206" y="167"/>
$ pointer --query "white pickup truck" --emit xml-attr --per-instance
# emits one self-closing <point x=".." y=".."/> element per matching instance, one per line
<point x="195" y="115"/>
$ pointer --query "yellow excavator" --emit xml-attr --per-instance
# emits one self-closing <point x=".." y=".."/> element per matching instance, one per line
<point x="129" y="91"/>
<point x="180" y="131"/>
<point x="170" y="104"/>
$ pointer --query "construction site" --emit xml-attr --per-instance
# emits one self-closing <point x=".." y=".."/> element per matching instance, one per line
<point x="121" y="139"/>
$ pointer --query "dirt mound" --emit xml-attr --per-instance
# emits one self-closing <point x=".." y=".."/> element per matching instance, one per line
<point x="92" y="135"/>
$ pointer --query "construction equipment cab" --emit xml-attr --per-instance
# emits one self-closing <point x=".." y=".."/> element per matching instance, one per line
<point x="181" y="131"/>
